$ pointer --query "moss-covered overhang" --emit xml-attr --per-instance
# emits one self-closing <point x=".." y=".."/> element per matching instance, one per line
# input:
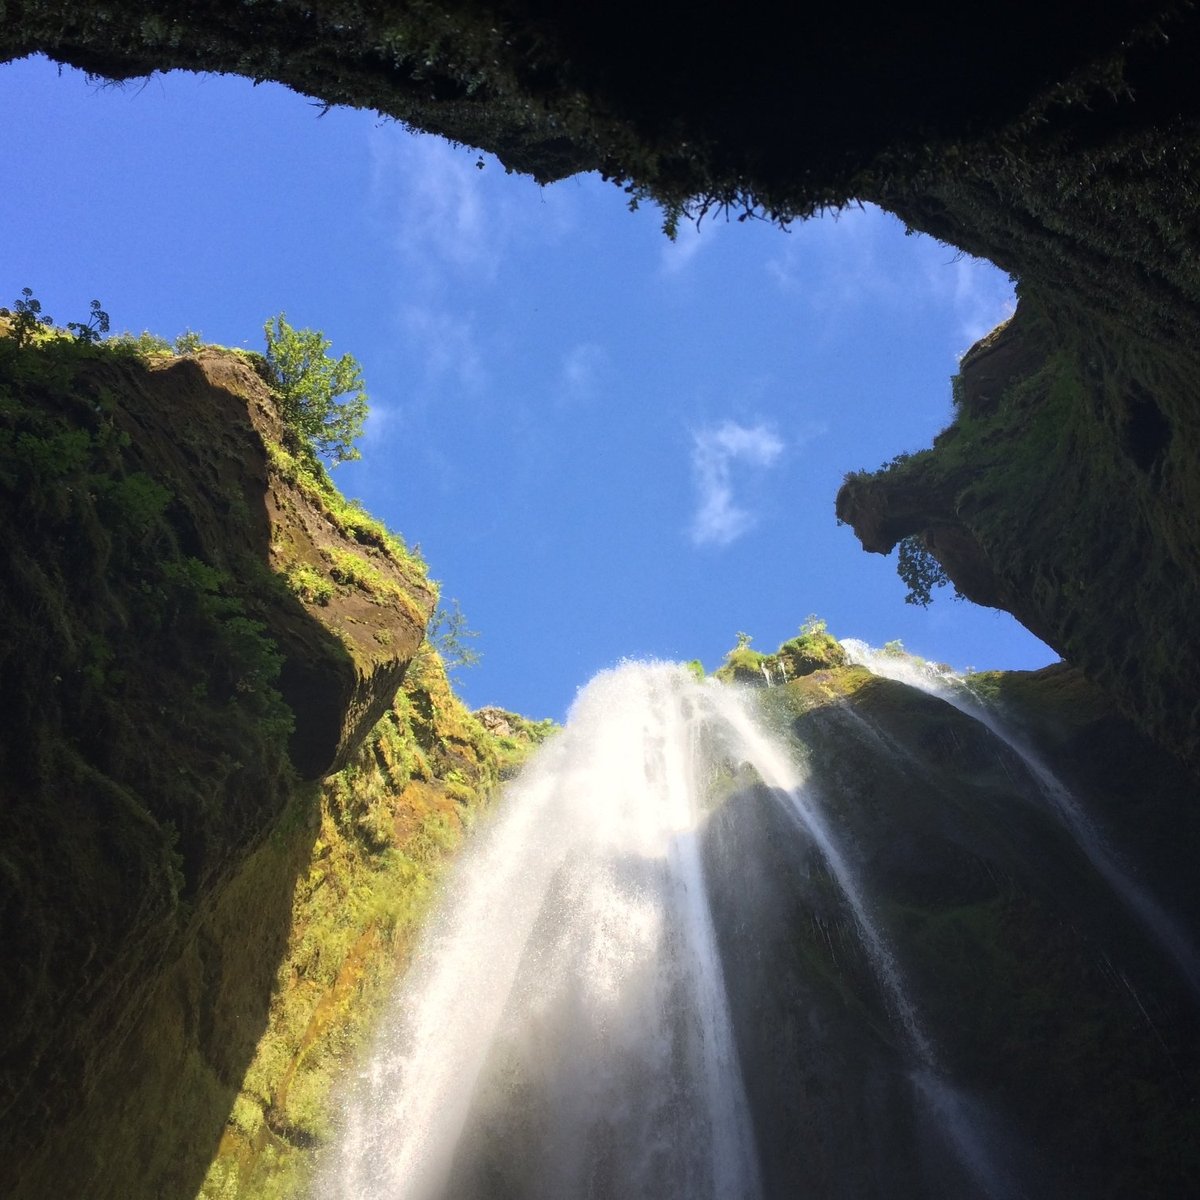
<point x="795" y="109"/>
<point x="1066" y="492"/>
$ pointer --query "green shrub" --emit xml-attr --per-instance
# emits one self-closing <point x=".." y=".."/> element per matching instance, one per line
<point x="141" y="343"/>
<point x="311" y="386"/>
<point x="920" y="571"/>
<point x="449" y="633"/>
<point x="136" y="500"/>
<point x="27" y="317"/>
<point x="91" y="330"/>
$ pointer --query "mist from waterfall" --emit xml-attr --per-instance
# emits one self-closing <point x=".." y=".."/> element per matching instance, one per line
<point x="568" y="1027"/>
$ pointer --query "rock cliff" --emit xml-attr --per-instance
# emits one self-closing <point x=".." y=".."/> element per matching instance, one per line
<point x="1034" y="892"/>
<point x="195" y="624"/>
<point x="1066" y="492"/>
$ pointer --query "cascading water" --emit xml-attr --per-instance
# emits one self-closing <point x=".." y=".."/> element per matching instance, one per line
<point x="1162" y="926"/>
<point x="568" y="1030"/>
<point x="965" y="1127"/>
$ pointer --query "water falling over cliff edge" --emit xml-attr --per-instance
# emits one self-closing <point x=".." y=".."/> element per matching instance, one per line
<point x="822" y="941"/>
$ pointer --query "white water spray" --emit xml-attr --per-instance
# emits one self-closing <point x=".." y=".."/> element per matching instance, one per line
<point x="1161" y="925"/>
<point x="568" y="1006"/>
<point x="780" y="773"/>
<point x="965" y="1127"/>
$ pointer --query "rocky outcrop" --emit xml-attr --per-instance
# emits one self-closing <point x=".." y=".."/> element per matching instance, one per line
<point x="1063" y="1026"/>
<point x="814" y="650"/>
<point x="354" y="606"/>
<point x="1065" y="492"/>
<point x="178" y="613"/>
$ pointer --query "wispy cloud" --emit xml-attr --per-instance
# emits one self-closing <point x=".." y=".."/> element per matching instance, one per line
<point x="448" y="346"/>
<point x="981" y="295"/>
<point x="836" y="259"/>
<point x="582" y="367"/>
<point x="430" y="193"/>
<point x="381" y="422"/>
<point x="690" y="239"/>
<point x="841" y="262"/>
<point x="454" y="213"/>
<point x="719" y="518"/>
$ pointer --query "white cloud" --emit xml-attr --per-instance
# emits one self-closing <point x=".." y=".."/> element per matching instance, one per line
<point x="581" y="369"/>
<point x="840" y="262"/>
<point x="690" y="238"/>
<point x="431" y="194"/>
<point x="719" y="519"/>
<point x="449" y="218"/>
<point x="448" y="346"/>
<point x="381" y="420"/>
<point x="835" y="259"/>
<point x="982" y="296"/>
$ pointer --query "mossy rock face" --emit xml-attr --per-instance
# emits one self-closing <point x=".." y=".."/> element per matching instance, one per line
<point x="1069" y="1029"/>
<point x="515" y="736"/>
<point x="388" y="824"/>
<point x="743" y="665"/>
<point x="1066" y="493"/>
<point x="149" y="654"/>
<point x="349" y="633"/>
<point x="815" y="650"/>
<point x="811" y="652"/>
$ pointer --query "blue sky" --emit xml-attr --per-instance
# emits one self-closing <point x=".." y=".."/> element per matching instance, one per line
<point x="606" y="444"/>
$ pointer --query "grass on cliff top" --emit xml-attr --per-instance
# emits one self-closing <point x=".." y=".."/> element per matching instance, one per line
<point x="814" y="649"/>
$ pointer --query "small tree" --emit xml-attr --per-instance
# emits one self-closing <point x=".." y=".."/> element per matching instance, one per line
<point x="449" y="633"/>
<point x="90" y="331"/>
<point x="27" y="316"/>
<point x="311" y="385"/>
<point x="918" y="568"/>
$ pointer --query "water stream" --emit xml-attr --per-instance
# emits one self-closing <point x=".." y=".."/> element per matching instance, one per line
<point x="1120" y="876"/>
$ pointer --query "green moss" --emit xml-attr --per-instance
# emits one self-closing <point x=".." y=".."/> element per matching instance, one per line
<point x="349" y="516"/>
<point x="815" y="649"/>
<point x="309" y="584"/>
<point x="388" y="825"/>
<point x="1063" y="493"/>
<point x="742" y="665"/>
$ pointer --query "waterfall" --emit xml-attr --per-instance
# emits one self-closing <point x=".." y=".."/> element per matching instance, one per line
<point x="568" y="1004"/>
<point x="965" y="1127"/>
<point x="1164" y="928"/>
<point x="779" y="773"/>
<point x="566" y="1029"/>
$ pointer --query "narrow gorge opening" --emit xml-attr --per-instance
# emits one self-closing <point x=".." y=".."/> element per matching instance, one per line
<point x="867" y="933"/>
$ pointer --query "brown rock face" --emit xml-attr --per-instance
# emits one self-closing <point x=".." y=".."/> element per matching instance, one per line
<point x="344" y="656"/>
